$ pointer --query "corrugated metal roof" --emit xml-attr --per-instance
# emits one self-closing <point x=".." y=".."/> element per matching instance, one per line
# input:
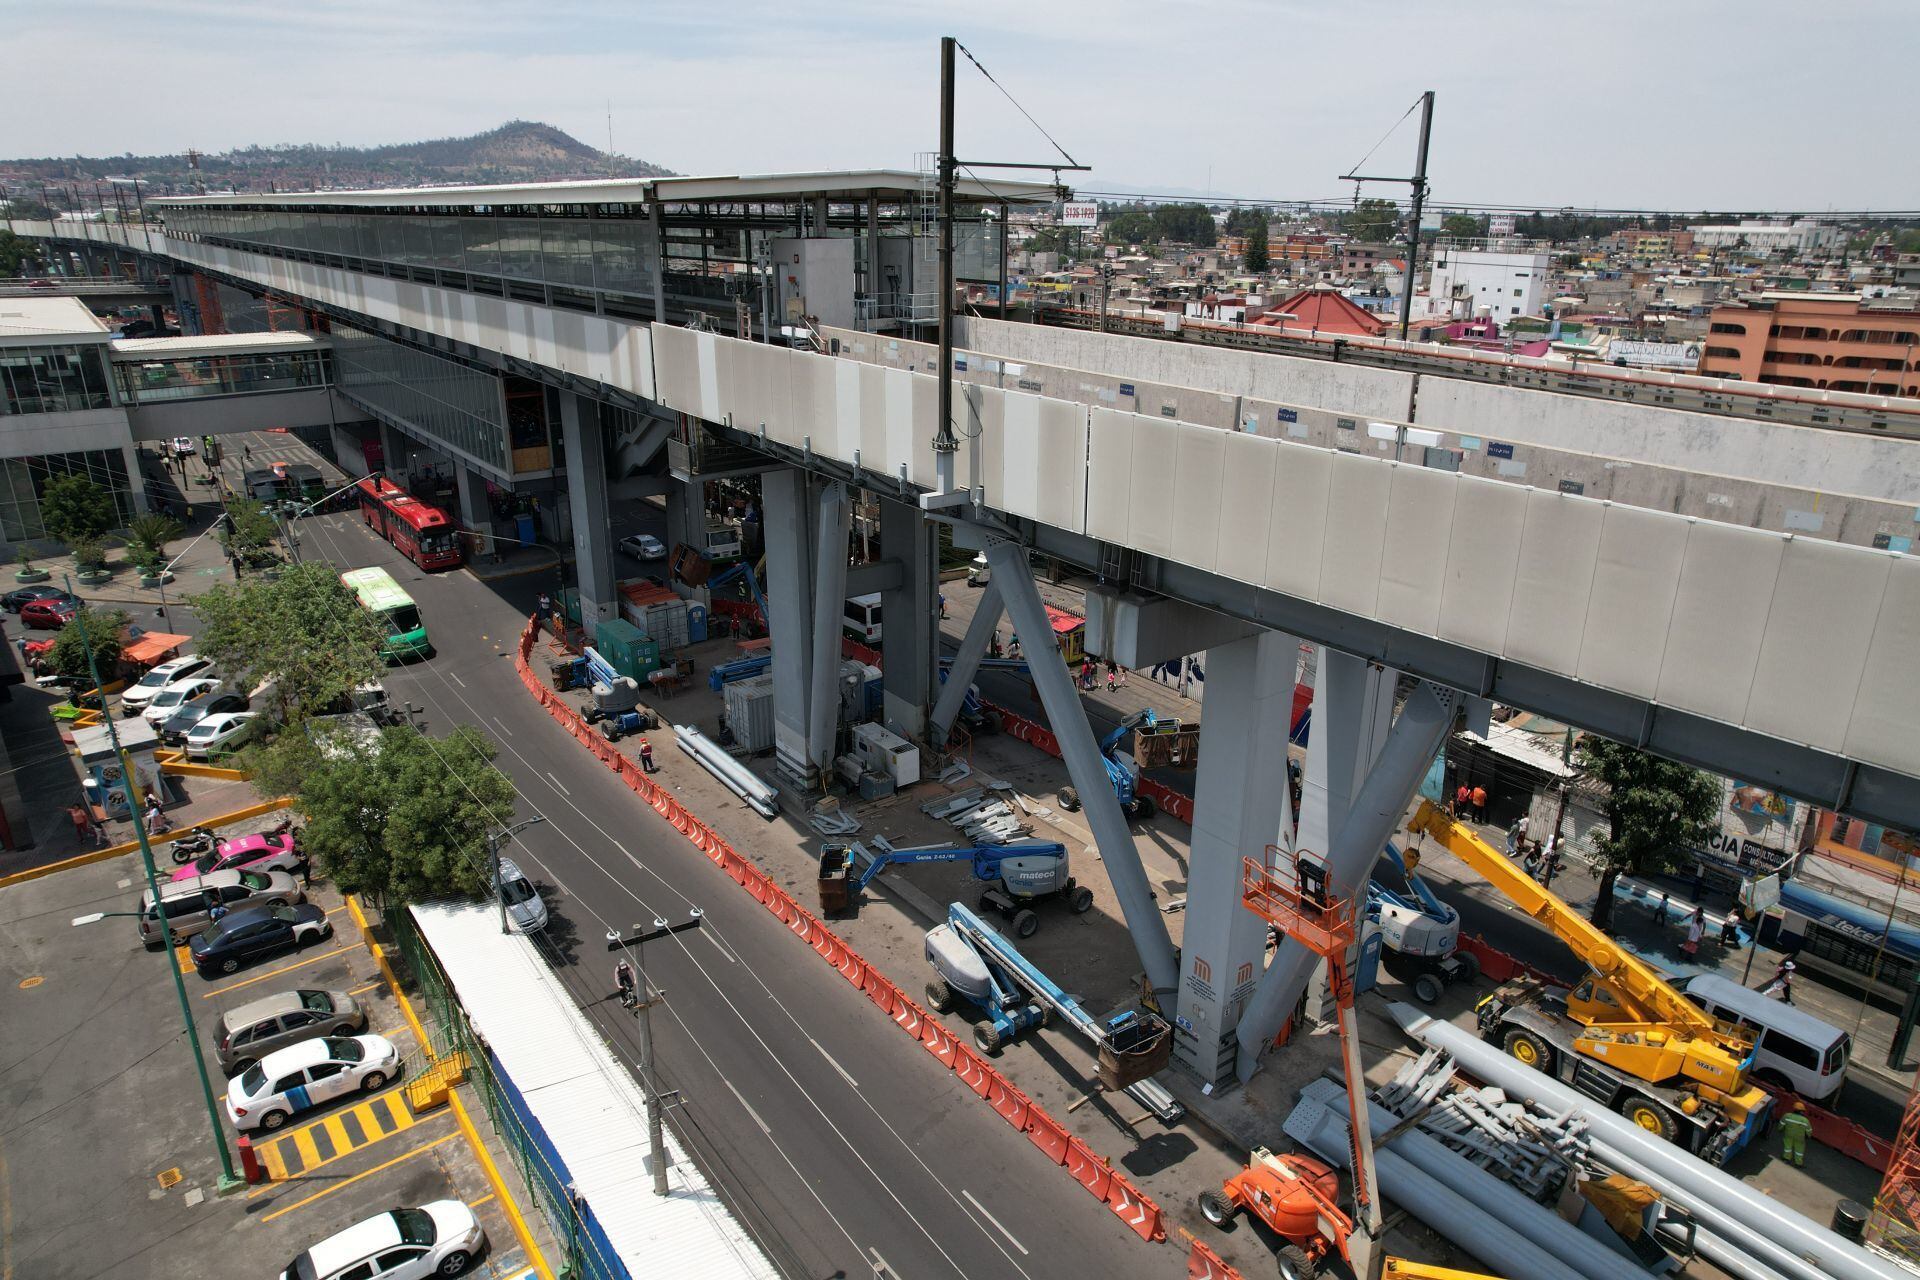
<point x="589" y="1104"/>
<point x="219" y="344"/>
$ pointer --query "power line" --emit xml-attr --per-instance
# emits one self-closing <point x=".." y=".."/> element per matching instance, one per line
<point x="1016" y="103"/>
<point x="1342" y="203"/>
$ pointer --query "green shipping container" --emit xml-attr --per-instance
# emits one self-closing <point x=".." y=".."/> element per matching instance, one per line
<point x="618" y="642"/>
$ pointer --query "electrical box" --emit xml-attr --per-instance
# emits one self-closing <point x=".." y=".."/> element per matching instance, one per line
<point x="884" y="752"/>
<point x="815" y="277"/>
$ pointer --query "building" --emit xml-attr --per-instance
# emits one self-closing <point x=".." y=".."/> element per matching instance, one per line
<point x="1643" y="245"/>
<point x="1822" y="340"/>
<point x="1323" y="309"/>
<point x="1502" y="283"/>
<point x="1359" y="259"/>
<point x="1762" y="235"/>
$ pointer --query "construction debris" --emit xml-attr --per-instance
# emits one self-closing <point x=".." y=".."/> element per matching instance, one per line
<point x="979" y="817"/>
<point x="829" y="819"/>
<point x="1535" y="1152"/>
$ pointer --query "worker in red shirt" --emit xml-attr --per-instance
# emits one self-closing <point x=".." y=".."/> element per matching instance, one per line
<point x="646" y="756"/>
<point x="1462" y="797"/>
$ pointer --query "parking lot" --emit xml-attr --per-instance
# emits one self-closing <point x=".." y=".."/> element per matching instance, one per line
<point x="107" y="1163"/>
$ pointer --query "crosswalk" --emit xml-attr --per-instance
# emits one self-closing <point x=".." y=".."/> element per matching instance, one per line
<point x="300" y="1151"/>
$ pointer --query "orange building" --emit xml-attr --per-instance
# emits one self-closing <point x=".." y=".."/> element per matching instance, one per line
<point x="1820" y="340"/>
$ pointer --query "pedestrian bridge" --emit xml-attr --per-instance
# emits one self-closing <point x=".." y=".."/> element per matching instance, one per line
<point x="222" y="383"/>
<point x="105" y="291"/>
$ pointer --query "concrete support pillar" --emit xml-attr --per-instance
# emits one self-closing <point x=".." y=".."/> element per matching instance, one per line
<point x="909" y="619"/>
<point x="476" y="512"/>
<point x="1240" y="806"/>
<point x="1377" y="808"/>
<point x="829" y="602"/>
<point x="686" y="514"/>
<point x="587" y="504"/>
<point x="1014" y="577"/>
<point x="789" y="590"/>
<point x="136" y="479"/>
<point x="973" y="647"/>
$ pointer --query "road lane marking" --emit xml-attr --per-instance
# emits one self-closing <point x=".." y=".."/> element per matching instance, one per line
<point x="995" y="1221"/>
<point x="347" y="1182"/>
<point x="503" y="727"/>
<point x="285" y="968"/>
<point x="830" y="1062"/>
<point x="558" y="783"/>
<point x="455" y="677"/>
<point x="752" y="1114"/>
<point x="881" y="1267"/>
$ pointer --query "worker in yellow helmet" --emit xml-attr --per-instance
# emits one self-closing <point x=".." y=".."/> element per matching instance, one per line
<point x="1794" y="1129"/>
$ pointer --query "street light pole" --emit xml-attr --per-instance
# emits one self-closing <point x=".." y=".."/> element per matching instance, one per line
<point x="642" y="1011"/>
<point x="494" y="840"/>
<point x="228" y="1181"/>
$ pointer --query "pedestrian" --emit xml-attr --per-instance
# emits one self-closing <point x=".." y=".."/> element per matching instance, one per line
<point x="646" y="756"/>
<point x="1013" y="647"/>
<point x="1123" y="677"/>
<point x="623" y="979"/>
<point x="156" y="820"/>
<point x="1730" y="927"/>
<point x="217" y="910"/>
<point x="1086" y="673"/>
<point x="306" y="873"/>
<point x="1696" y="929"/>
<point x="1520" y="827"/>
<point x="1113" y="676"/>
<point x="1512" y="839"/>
<point x="1780" y="986"/>
<point x="1532" y="861"/>
<point x="543" y="610"/>
<point x="1479" y="804"/>
<point x="1794" y="1128"/>
<point x="993" y="645"/>
<point x="1462" y="797"/>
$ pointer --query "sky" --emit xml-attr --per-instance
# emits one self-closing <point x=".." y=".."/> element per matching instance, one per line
<point x="1658" y="104"/>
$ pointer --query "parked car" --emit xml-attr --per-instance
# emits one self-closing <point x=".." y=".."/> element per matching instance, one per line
<point x="220" y="733"/>
<point x="643" y="546"/>
<point x="149" y="686"/>
<point x="174" y="730"/>
<point x="253" y="853"/>
<point x="291" y="1080"/>
<point x="245" y="935"/>
<point x="188" y="904"/>
<point x="526" y="911"/>
<point x="20" y="597"/>
<point x="438" y="1239"/>
<point x="244" y="1035"/>
<point x="49" y="614"/>
<point x="161" y="706"/>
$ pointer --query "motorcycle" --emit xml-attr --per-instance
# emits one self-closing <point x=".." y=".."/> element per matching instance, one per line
<point x="191" y="845"/>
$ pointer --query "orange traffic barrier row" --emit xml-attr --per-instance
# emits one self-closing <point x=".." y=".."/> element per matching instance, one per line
<point x="1122" y="1198"/>
<point x="1204" y="1264"/>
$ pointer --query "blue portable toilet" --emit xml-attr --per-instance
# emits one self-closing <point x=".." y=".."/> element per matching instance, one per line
<point x="1366" y="966"/>
<point x="523" y="529"/>
<point x="696" y="622"/>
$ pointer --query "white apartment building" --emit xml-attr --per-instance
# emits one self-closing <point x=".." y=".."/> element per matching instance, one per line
<point x="1500" y="283"/>
<point x="1760" y="235"/>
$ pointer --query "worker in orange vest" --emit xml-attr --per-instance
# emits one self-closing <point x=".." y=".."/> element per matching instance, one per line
<point x="1479" y="804"/>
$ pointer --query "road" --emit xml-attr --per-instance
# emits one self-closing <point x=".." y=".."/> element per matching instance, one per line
<point x="840" y="1146"/>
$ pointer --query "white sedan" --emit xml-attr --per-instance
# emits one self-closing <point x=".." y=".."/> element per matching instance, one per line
<point x="643" y="546"/>
<point x="162" y="706"/>
<point x="302" y="1076"/>
<point x="219" y="734"/>
<point x="437" y="1239"/>
<point x="182" y="446"/>
<point x="155" y="682"/>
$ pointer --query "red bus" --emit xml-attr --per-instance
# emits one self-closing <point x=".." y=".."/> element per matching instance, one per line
<point x="420" y="530"/>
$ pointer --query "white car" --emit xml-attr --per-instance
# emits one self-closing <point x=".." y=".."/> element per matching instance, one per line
<point x="302" y="1076"/>
<point x="526" y="910"/>
<point x="221" y="733"/>
<point x="151" y="685"/>
<point x="162" y="706"/>
<point x="438" y="1239"/>
<point x="643" y="546"/>
<point x="182" y="446"/>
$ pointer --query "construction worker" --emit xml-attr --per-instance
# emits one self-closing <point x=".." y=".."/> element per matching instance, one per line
<point x="646" y="756"/>
<point x="623" y="978"/>
<point x="1794" y="1128"/>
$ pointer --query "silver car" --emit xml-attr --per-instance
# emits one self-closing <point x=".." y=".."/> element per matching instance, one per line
<point x="245" y="1034"/>
<point x="190" y="905"/>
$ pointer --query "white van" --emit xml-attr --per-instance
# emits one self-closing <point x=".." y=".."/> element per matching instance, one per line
<point x="862" y="619"/>
<point x="1792" y="1048"/>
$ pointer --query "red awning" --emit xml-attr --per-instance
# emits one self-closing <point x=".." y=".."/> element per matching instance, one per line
<point x="1064" y="622"/>
<point x="152" y="647"/>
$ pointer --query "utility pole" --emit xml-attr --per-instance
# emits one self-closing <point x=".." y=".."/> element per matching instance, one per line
<point x="642" y="1013"/>
<point x="1419" y="199"/>
<point x="944" y="443"/>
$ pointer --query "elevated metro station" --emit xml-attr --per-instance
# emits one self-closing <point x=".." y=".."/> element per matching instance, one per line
<point x="1715" y="584"/>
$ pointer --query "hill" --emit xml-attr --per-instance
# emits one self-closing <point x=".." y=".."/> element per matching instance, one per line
<point x="518" y="151"/>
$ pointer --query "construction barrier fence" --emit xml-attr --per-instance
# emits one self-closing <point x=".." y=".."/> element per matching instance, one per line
<point x="1121" y="1197"/>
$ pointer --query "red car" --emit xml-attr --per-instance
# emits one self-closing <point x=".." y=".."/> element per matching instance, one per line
<point x="48" y="615"/>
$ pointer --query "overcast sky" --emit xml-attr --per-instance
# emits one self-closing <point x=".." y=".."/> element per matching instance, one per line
<point x="1629" y="103"/>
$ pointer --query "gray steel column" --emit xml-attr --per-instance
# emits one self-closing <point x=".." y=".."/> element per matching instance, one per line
<point x="657" y="221"/>
<point x="475" y="513"/>
<point x="1068" y="720"/>
<point x="587" y="509"/>
<point x="966" y="663"/>
<point x="789" y="591"/>
<point x="829" y="603"/>
<point x="1375" y="813"/>
<point x="909" y="618"/>
<point x="1240" y="805"/>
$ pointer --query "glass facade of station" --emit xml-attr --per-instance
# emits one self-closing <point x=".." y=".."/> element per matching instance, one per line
<point x="439" y="399"/>
<point x="186" y="379"/>
<point x="23" y="480"/>
<point x="53" y="379"/>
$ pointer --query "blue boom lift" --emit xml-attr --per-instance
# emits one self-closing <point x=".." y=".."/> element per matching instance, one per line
<point x="1015" y="874"/>
<point x="972" y="962"/>
<point x="1119" y="772"/>
<point x="1419" y="934"/>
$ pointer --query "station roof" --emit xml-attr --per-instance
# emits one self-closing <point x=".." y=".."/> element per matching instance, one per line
<point x="841" y="184"/>
<point x="136" y="350"/>
<point x="39" y="322"/>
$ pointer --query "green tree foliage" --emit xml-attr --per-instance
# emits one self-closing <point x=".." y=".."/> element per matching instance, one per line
<point x="1134" y="226"/>
<point x="1241" y="222"/>
<point x="1184" y="224"/>
<point x="1047" y="240"/>
<point x="1654" y="808"/>
<point x="303" y="629"/>
<point x="104" y="631"/>
<point x="76" y="509"/>
<point x="1463" y="226"/>
<point x="19" y="256"/>
<point x="1371" y="219"/>
<point x="147" y="539"/>
<point x="1256" y="257"/>
<point x="402" y="818"/>
<point x="249" y="532"/>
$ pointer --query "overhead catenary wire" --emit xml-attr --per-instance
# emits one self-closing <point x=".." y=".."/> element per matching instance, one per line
<point x="1355" y="166"/>
<point x="1071" y="162"/>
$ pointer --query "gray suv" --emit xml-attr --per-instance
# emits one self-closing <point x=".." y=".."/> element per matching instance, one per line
<point x="244" y="1035"/>
<point x="189" y="904"/>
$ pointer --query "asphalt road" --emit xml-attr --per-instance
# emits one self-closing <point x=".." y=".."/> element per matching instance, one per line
<point x="840" y="1146"/>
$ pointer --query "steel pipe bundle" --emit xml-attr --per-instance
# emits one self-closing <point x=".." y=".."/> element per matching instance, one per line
<point x="738" y="778"/>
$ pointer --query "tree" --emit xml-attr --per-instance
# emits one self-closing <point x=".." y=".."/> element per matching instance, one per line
<point x="250" y="532"/>
<point x="1256" y="257"/>
<point x="1241" y="222"/>
<point x="1462" y="226"/>
<point x="74" y="509"/>
<point x="1135" y="226"/>
<point x="17" y="253"/>
<point x="1184" y="224"/>
<point x="1654" y="808"/>
<point x="147" y="539"/>
<point x="303" y="629"/>
<point x="1371" y="220"/>
<point x="104" y="630"/>
<point x="402" y="817"/>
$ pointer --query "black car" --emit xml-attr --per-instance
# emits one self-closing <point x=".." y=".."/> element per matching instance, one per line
<point x="20" y="597"/>
<point x="248" y="933"/>
<point x="173" y="731"/>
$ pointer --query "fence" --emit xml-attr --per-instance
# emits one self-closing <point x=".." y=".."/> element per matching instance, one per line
<point x="542" y="1175"/>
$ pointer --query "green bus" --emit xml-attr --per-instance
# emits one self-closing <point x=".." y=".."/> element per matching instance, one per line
<point x="379" y="594"/>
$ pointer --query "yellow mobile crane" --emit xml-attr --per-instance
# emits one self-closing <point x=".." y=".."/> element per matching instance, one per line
<point x="1623" y="1036"/>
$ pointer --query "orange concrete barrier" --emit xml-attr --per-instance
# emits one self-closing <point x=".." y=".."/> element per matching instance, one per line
<point x="1048" y="1136"/>
<point x="1204" y="1264"/>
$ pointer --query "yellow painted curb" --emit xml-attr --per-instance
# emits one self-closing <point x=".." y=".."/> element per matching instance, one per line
<point x="133" y="846"/>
